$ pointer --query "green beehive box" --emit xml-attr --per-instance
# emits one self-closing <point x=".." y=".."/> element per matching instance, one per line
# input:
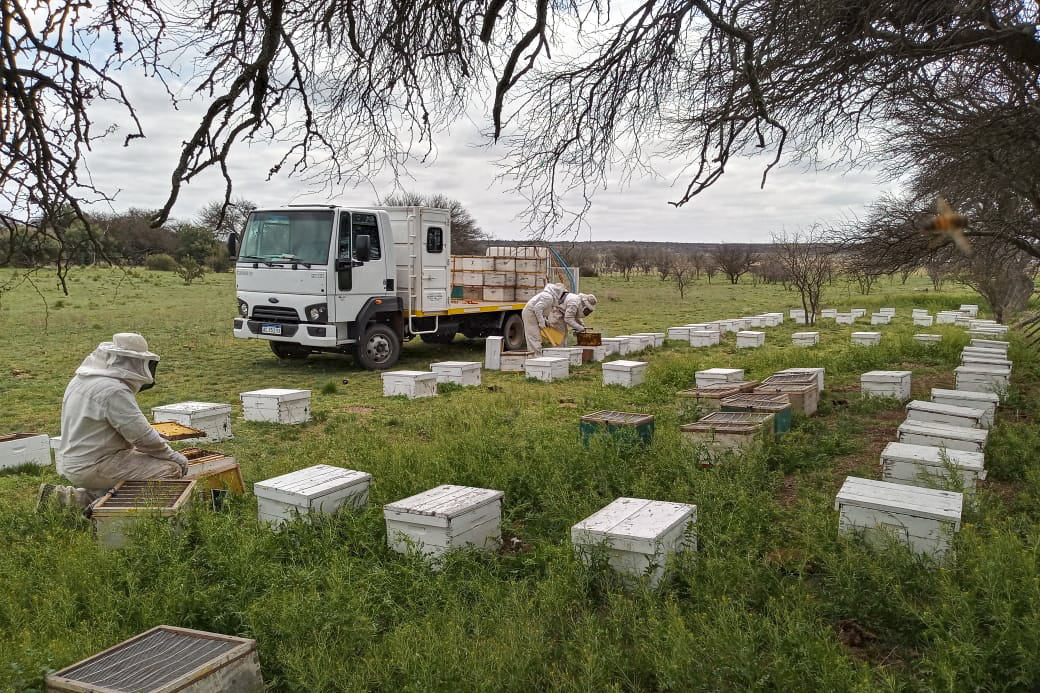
<point x="457" y="292"/>
<point x="618" y="424"/>
<point x="779" y="405"/>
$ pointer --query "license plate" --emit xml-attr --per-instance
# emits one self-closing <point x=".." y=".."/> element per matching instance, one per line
<point x="270" y="329"/>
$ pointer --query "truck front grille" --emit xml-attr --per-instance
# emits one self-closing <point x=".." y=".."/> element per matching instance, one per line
<point x="275" y="314"/>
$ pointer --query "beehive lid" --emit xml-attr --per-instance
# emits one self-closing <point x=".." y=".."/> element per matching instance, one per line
<point x="721" y="372"/>
<point x="751" y="333"/>
<point x="648" y="334"/>
<point x="191" y="408"/>
<point x="945" y="409"/>
<point x="791" y="379"/>
<point x="517" y="353"/>
<point x="729" y="422"/>
<point x="939" y="430"/>
<point x="763" y="402"/>
<point x="866" y="335"/>
<point x="636" y="523"/>
<point x="622" y="365"/>
<point x="805" y="335"/>
<point x="171" y="430"/>
<point x="982" y="369"/>
<point x="933" y="456"/>
<point x="441" y="504"/>
<point x="966" y="395"/>
<point x="464" y="365"/>
<point x="306" y="484"/>
<point x="720" y="390"/>
<point x="408" y="375"/>
<point x="975" y="360"/>
<point x="885" y="376"/>
<point x="991" y="343"/>
<point x="163" y="495"/>
<point x="928" y="337"/>
<point x="152" y="661"/>
<point x="547" y="361"/>
<point x="618" y="418"/>
<point x="282" y="395"/>
<point x="914" y="500"/>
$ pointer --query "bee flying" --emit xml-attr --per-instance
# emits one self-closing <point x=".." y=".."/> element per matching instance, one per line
<point x="947" y="226"/>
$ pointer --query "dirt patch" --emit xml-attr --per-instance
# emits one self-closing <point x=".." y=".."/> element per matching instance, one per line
<point x="922" y="383"/>
<point x="788" y="491"/>
<point x="357" y="410"/>
<point x="1007" y="491"/>
<point x="879" y="432"/>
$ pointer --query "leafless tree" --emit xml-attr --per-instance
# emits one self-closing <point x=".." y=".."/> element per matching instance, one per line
<point x="710" y="265"/>
<point x="625" y="259"/>
<point x="682" y="273"/>
<point x="808" y="264"/>
<point x="1002" y="274"/>
<point x="466" y="234"/>
<point x="735" y="260"/>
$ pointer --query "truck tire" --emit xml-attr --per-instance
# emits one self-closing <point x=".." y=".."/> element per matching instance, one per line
<point x="513" y="333"/>
<point x="289" y="351"/>
<point x="378" y="349"/>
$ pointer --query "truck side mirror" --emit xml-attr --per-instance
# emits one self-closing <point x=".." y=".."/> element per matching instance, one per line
<point x="363" y="247"/>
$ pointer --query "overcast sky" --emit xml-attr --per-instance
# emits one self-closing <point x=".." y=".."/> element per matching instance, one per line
<point x="733" y="210"/>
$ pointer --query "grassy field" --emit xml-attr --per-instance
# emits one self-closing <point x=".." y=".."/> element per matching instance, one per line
<point x="774" y="600"/>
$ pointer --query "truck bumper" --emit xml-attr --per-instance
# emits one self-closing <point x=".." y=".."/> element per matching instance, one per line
<point x="318" y="336"/>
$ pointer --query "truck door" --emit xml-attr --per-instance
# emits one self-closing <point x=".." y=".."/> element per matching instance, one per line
<point x="358" y="281"/>
<point x="435" y="244"/>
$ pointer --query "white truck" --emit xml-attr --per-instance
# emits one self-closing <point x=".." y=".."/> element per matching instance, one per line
<point x="325" y="278"/>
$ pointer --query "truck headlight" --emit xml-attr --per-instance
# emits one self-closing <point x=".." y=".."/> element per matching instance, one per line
<point x="317" y="313"/>
<point x="243" y="308"/>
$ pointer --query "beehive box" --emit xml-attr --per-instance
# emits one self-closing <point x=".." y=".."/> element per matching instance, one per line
<point x="887" y="311"/>
<point x="805" y="339"/>
<point x="624" y="373"/>
<point x="949" y="414"/>
<point x="730" y="430"/>
<point x="318" y="490"/>
<point x="547" y="368"/>
<point x="858" y="312"/>
<point x="796" y="313"/>
<point x="730" y="326"/>
<point x="946" y="317"/>
<point x="970" y="308"/>
<point x="211" y="418"/>
<point x="926" y="465"/>
<point x="778" y="405"/>
<point x="990" y="344"/>
<point x="866" y="338"/>
<point x="923" y="320"/>
<point x="973" y="360"/>
<point x="618" y="424"/>
<point x="639" y="342"/>
<point x="816" y="374"/>
<point x="493" y="353"/>
<point x="705" y="338"/>
<point x="657" y="338"/>
<point x="928" y="338"/>
<point x="924" y="519"/>
<point x="277" y="405"/>
<point x="844" y="318"/>
<point x="943" y="436"/>
<point x="987" y="332"/>
<point x="757" y="321"/>
<point x="130" y="501"/>
<point x="962" y="321"/>
<point x="984" y="352"/>
<point x="919" y="311"/>
<point x="711" y="396"/>
<point x="445" y="518"/>
<point x="803" y="395"/>
<point x="679" y="334"/>
<point x="214" y="472"/>
<point x="513" y="361"/>
<point x="17" y="449"/>
<point x="774" y="319"/>
<point x="831" y="313"/>
<point x="166" y="659"/>
<point x="59" y="465"/>
<point x="588" y="338"/>
<point x="411" y="384"/>
<point x="880" y="319"/>
<point x="886" y="384"/>
<point x="799" y="317"/>
<point x="750" y="339"/>
<point x="714" y="376"/>
<point x="499" y="293"/>
<point x="638" y="535"/>
<point x="464" y="373"/>
<point x="616" y="345"/>
<point x="572" y="354"/>
<point x="524" y="293"/>
<point x="986" y="401"/>
<point x="983" y="378"/>
<point x="500" y="279"/>
<point x="593" y="353"/>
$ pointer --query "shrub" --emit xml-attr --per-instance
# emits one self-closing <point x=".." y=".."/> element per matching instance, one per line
<point x="189" y="270"/>
<point x="160" y="262"/>
<point x="219" y="261"/>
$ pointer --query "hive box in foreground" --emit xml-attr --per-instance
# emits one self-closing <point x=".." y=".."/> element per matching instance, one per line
<point x="410" y="384"/>
<point x="987" y="401"/>
<point x="131" y="501"/>
<point x="320" y="489"/>
<point x="983" y="379"/>
<point x="444" y="518"/>
<point x="624" y="373"/>
<point x="211" y="418"/>
<point x="547" y="368"/>
<point x="922" y="518"/>
<point x="886" y="384"/>
<point x="464" y="373"/>
<point x="926" y="465"/>
<point x="17" y="449"/>
<point x="638" y="535"/>
<point x="277" y="405"/>
<point x="163" y="660"/>
<point x="951" y="415"/>
<point x="750" y="339"/>
<point x="730" y="430"/>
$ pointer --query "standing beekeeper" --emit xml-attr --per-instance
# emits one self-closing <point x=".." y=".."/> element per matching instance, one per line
<point x="105" y="438"/>
<point x="536" y="314"/>
<point x="572" y="313"/>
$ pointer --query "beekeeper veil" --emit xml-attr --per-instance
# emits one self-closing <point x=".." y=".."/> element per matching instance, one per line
<point x="588" y="304"/>
<point x="126" y="358"/>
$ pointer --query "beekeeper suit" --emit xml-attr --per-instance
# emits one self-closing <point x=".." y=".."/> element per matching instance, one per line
<point x="571" y="313"/>
<point x="536" y="313"/>
<point x="105" y="438"/>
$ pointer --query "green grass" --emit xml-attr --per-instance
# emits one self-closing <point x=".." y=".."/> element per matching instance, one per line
<point x="759" y="608"/>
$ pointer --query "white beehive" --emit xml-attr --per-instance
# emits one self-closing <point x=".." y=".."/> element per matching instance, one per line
<point x="594" y="353"/>
<point x="639" y="342"/>
<point x="17" y="449"/>
<point x="59" y="464"/>
<point x="986" y="401"/>
<point x="411" y="384"/>
<point x="730" y="326"/>
<point x="624" y="373"/>
<point x="962" y="321"/>
<point x="714" y="376"/>
<point x="572" y="354"/>
<point x="923" y="320"/>
<point x="747" y="339"/>
<point x="990" y="344"/>
<point x="774" y="319"/>
<point x="973" y="360"/>
<point x="799" y="318"/>
<point x="513" y="361"/>
<point x="742" y="323"/>
<point x="318" y="490"/>
<point x="866" y="338"/>
<point x="493" y="347"/>
<point x="278" y="405"/>
<point x="211" y="418"/>
<point x="547" y="368"/>
<point x="844" y="318"/>
<point x="886" y="384"/>
<point x="616" y="345"/>
<point x="970" y="308"/>
<point x="919" y="311"/>
<point x="679" y="334"/>
<point x="858" y="312"/>
<point x="445" y="518"/>
<point x="805" y="339"/>
<point x="731" y="430"/>
<point x="465" y="373"/>
<point x="796" y="312"/>
<point x="983" y="378"/>
<point x="818" y="375"/>
<point x="705" y="338"/>
<point x="924" y="519"/>
<point x="880" y="319"/>
<point x="757" y="321"/>
<point x="946" y="317"/>
<point x="987" y="332"/>
<point x="166" y="659"/>
<point x="949" y="414"/>
<point x="983" y="352"/>
<point x="887" y="311"/>
<point x="943" y="436"/>
<point x="928" y="338"/>
<point x="926" y="465"/>
<point x="831" y="313"/>
<point x="973" y="324"/>
<point x="637" y="535"/>
<point x="656" y="337"/>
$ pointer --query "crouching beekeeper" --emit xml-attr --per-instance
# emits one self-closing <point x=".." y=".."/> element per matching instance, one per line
<point x="105" y="438"/>
<point x="572" y="313"/>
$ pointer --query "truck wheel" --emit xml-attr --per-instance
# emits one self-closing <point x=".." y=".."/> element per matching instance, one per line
<point x="513" y="333"/>
<point x="378" y="349"/>
<point x="289" y="351"/>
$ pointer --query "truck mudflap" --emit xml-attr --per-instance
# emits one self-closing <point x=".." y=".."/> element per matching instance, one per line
<point x="317" y="336"/>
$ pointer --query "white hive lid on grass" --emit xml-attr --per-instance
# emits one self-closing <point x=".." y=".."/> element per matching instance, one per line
<point x="885" y="376"/>
<point x="622" y="365"/>
<point x="440" y="505"/>
<point x="633" y="524"/>
<point x="278" y="394"/>
<point x="931" y="456"/>
<point x="945" y="409"/>
<point x="886" y="496"/>
<point x="304" y="485"/>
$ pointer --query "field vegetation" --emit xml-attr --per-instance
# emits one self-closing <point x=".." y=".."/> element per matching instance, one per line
<point x="774" y="600"/>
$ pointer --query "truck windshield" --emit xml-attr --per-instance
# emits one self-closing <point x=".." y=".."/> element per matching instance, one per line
<point x="300" y="236"/>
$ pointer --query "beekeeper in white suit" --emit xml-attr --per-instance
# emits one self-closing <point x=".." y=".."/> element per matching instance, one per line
<point x="105" y="438"/>
<point x="536" y="314"/>
<point x="571" y="313"/>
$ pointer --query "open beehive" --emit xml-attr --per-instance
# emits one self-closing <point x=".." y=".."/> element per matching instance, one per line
<point x="589" y="338"/>
<point x="618" y="424"/>
<point x="779" y="405"/>
<point x="801" y="389"/>
<point x="130" y="501"/>
<point x="711" y="396"/>
<point x="215" y="472"/>
<point x="732" y="430"/>
<point x="166" y="659"/>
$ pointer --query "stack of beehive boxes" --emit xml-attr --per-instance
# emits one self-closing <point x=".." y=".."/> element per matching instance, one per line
<point x="498" y="278"/>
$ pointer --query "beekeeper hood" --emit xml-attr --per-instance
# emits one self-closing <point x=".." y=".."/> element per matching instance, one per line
<point x="126" y="358"/>
<point x="588" y="303"/>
